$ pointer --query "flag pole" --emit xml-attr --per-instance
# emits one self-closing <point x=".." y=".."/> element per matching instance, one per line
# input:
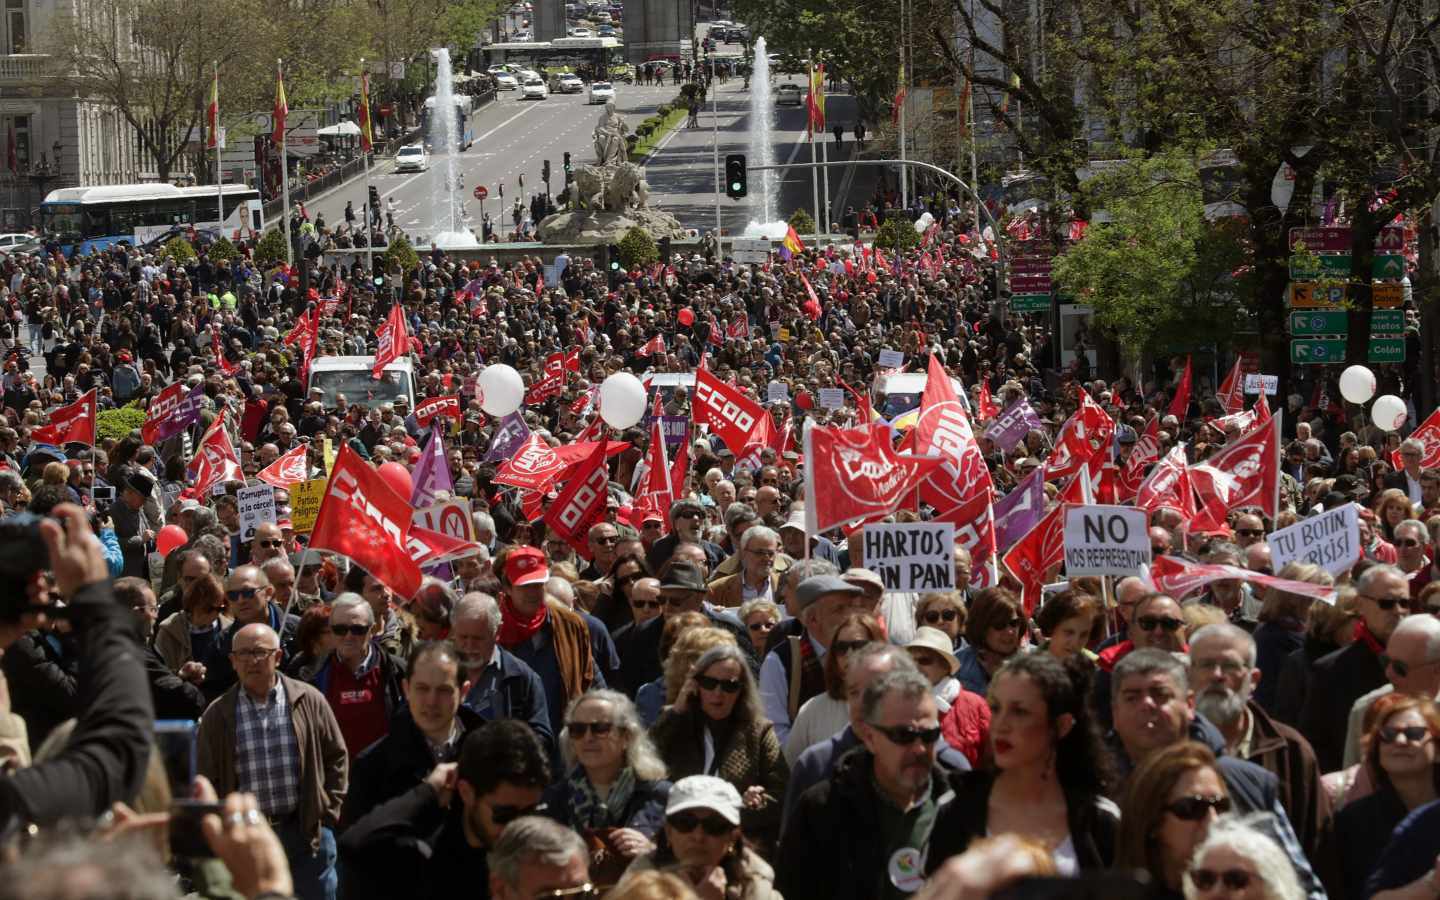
<point x="715" y="142"/>
<point x="810" y="132"/>
<point x="219" y="146"/>
<point x="284" y="170"/>
<point x="367" y="141"/>
<point x="904" y="102"/>
<point x="825" y="158"/>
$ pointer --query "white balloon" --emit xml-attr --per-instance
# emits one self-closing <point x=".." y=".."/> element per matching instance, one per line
<point x="1357" y="384"/>
<point x="502" y="390"/>
<point x="923" y="223"/>
<point x="1388" y="413"/>
<point x="622" y="400"/>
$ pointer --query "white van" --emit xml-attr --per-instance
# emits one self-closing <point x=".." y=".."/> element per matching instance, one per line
<point x="893" y="395"/>
<point x="350" y="375"/>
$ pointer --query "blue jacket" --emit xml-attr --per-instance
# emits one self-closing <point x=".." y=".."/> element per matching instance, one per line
<point x="516" y="692"/>
<point x="114" y="558"/>
<point x="972" y="674"/>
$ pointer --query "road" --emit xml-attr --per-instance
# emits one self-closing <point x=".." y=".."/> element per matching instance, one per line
<point x="513" y="137"/>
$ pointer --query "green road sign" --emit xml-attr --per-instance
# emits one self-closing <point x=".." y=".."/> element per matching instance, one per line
<point x="1029" y="303"/>
<point x="1387" y="321"/>
<point x="1387" y="266"/>
<point x="1319" y="321"/>
<point x="1387" y="350"/>
<point x="1316" y="351"/>
<point x="1320" y="267"/>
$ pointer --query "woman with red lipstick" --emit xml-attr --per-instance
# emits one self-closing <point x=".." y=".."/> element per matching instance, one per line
<point x="1048" y="773"/>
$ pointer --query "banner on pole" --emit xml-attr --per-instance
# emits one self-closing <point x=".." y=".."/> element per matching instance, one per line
<point x="305" y="500"/>
<point x="257" y="506"/>
<point x="1105" y="540"/>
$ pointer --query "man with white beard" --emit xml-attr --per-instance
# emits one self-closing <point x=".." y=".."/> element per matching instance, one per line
<point x="1223" y="675"/>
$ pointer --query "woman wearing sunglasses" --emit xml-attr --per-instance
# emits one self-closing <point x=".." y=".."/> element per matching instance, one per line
<point x="614" y="790"/>
<point x="993" y="629"/>
<point x="1400" y="756"/>
<point x="1169" y="805"/>
<point x="1238" y="862"/>
<point x="759" y="618"/>
<point x="702" y="843"/>
<point x="717" y="727"/>
<point x="945" y="611"/>
<point x="1048" y="773"/>
<point x="826" y="715"/>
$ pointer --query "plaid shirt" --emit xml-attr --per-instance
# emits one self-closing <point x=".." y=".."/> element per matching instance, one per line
<point x="267" y="756"/>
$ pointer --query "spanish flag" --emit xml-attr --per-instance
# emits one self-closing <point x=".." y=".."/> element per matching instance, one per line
<point x="282" y="109"/>
<point x="212" y="113"/>
<point x="791" y="245"/>
<point x="816" y="100"/>
<point x="365" y="133"/>
<point x="899" y="103"/>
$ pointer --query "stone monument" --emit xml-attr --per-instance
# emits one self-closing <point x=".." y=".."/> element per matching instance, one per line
<point x="610" y="197"/>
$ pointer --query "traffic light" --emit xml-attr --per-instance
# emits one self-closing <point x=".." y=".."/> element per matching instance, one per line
<point x="735" y="186"/>
<point x="613" y="256"/>
<point x="545" y="171"/>
<point x="374" y="197"/>
<point x="665" y="249"/>
<point x="567" y="162"/>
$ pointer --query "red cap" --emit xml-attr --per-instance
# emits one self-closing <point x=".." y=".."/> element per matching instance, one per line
<point x="526" y="565"/>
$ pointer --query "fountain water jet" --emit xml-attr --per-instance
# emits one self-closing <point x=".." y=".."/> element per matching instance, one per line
<point x="447" y="200"/>
<point x="762" y="146"/>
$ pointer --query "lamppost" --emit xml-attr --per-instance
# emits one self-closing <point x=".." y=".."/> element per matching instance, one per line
<point x="41" y="174"/>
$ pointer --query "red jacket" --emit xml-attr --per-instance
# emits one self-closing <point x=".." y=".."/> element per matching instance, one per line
<point x="966" y="727"/>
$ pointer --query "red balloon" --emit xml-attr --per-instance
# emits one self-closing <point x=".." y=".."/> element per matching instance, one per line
<point x="170" y="537"/>
<point x="870" y="277"/>
<point x="804" y="401"/>
<point x="686" y="317"/>
<point x="398" y="477"/>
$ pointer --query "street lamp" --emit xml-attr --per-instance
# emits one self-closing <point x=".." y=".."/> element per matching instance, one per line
<point x="41" y="174"/>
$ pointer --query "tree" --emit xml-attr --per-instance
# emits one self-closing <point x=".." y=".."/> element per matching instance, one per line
<point x="637" y="248"/>
<point x="802" y="221"/>
<point x="400" y="255"/>
<point x="221" y="249"/>
<point x="177" y="249"/>
<point x="898" y="234"/>
<point x="270" y="250"/>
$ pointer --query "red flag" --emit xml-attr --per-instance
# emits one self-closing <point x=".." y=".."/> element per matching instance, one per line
<point x="1261" y="409"/>
<point x="1181" y="401"/>
<point x="653" y="346"/>
<point x="1427" y="434"/>
<point x="1246" y="472"/>
<point x="987" y="408"/>
<point x="70" y="424"/>
<point x="811" y="307"/>
<point x="292" y="468"/>
<point x="739" y="329"/>
<point x="551" y="384"/>
<point x="1168" y="485"/>
<point x="593" y="431"/>
<point x="215" y="462"/>
<point x="534" y="467"/>
<point x="581" y="503"/>
<point x="1041" y="549"/>
<point x="282" y="109"/>
<point x="1145" y="451"/>
<point x="862" y="403"/>
<point x="427" y="410"/>
<point x="428" y="548"/>
<point x="1178" y="577"/>
<point x="855" y="475"/>
<point x="974" y="522"/>
<point x="226" y="366"/>
<point x="942" y="429"/>
<point x="394" y="339"/>
<point x="716" y="335"/>
<point x="1083" y="435"/>
<point x="659" y="490"/>
<point x="555" y="363"/>
<point x="729" y="413"/>
<point x="1232" y="390"/>
<point x="364" y="520"/>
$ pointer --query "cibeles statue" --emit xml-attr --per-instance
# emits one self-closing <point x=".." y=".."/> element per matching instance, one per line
<point x="610" y="146"/>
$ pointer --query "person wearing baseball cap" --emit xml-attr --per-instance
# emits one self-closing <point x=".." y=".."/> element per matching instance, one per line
<point x="552" y="640"/>
<point x="701" y="841"/>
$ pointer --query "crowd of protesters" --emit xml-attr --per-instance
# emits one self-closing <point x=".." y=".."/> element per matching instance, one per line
<point x="705" y="701"/>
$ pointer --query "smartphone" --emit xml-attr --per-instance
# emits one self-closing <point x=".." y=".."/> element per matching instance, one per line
<point x="1087" y="886"/>
<point x="175" y="739"/>
<point x="102" y="494"/>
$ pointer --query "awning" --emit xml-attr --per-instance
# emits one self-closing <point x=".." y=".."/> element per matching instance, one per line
<point x="344" y="129"/>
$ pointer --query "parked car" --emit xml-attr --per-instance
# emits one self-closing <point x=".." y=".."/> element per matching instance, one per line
<point x="581" y="32"/>
<point x="602" y="92"/>
<point x="411" y="159"/>
<point x="606" y="31"/>
<point x="533" y="89"/>
<point x="8" y="242"/>
<point x="506" y="81"/>
<point x="789" y="95"/>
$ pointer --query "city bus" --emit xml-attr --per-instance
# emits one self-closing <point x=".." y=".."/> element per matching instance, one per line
<point x="594" y="59"/>
<point x="85" y="219"/>
<point x="464" y="129"/>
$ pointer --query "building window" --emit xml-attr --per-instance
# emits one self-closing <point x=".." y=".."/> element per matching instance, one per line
<point x="17" y="149"/>
<point x="15" y="26"/>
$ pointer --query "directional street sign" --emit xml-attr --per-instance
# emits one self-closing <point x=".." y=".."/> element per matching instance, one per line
<point x="1387" y="267"/>
<point x="1307" y="295"/>
<point x="1391" y="237"/>
<point x="1333" y="265"/>
<point x="1031" y="265"/>
<point x="1320" y="321"/>
<point x="1387" y="321"/>
<point x="1321" y="240"/>
<point x="1387" y="296"/>
<point x="1030" y="284"/>
<point x="1029" y="303"/>
<point x="1386" y="350"/>
<point x="1317" y="351"/>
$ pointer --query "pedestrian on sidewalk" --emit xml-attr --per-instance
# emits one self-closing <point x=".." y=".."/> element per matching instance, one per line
<point x="694" y="115"/>
<point x="860" y="133"/>
<point x="350" y="212"/>
<point x="839" y="133"/>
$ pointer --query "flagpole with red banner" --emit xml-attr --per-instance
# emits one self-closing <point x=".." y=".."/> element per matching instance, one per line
<point x="277" y="135"/>
<point x="367" y="141"/>
<point x="213" y="114"/>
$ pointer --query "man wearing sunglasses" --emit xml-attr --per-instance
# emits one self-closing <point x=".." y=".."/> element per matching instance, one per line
<point x="268" y="543"/>
<point x="1412" y="666"/>
<point x="1155" y="623"/>
<point x="869" y="823"/>
<point x="1411" y="537"/>
<point x="248" y="595"/>
<point x="1338" y="679"/>
<point x="687" y="519"/>
<point x="424" y="844"/>
<point x="683" y="590"/>
<point x="360" y="680"/>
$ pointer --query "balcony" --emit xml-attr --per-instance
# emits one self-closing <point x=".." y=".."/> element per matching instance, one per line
<point x="23" y="67"/>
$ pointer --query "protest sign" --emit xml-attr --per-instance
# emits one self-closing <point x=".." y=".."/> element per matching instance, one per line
<point x="257" y="505"/>
<point x="912" y="556"/>
<point x="1255" y="382"/>
<point x="1105" y="540"/>
<point x="777" y="392"/>
<point x="832" y="398"/>
<point x="891" y="359"/>
<point x="305" y="500"/>
<point x="1330" y="540"/>
<point x="450" y="517"/>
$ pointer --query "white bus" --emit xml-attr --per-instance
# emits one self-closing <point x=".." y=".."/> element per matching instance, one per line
<point x="84" y="219"/>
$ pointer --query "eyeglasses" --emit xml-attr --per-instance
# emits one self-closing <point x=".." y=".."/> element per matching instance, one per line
<point x="352" y="630"/>
<point x="1233" y="879"/>
<point x="1250" y="532"/>
<point x="606" y="540"/>
<point x="1406" y="542"/>
<point x="685" y="823"/>
<point x="764" y="625"/>
<point x="241" y="594"/>
<point x="1389" y="603"/>
<point x="1413" y="734"/>
<point x="1006" y="626"/>
<point x="934" y="616"/>
<point x="645" y="604"/>
<point x="1150" y="623"/>
<point x="580" y="729"/>
<point x="691" y="514"/>
<point x="718" y="684"/>
<point x="584" y="890"/>
<point x="845" y="648"/>
<point x="1195" y="808"/>
<point x="270" y="543"/>
<point x="504" y="815"/>
<point x="254" y="655"/>
<point x="905" y="735"/>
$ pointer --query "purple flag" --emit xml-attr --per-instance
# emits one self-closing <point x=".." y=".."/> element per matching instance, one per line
<point x="432" y="473"/>
<point x="1018" y="511"/>
<point x="165" y="421"/>
<point x="509" y="435"/>
<point x="1011" y="426"/>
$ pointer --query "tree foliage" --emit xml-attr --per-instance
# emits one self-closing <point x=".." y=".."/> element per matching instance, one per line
<point x="637" y="248"/>
<point x="221" y="249"/>
<point x="177" y="249"/>
<point x="115" y="424"/>
<point x="270" y="250"/>
<point x="897" y="233"/>
<point x="802" y="221"/>
<point x="400" y="255"/>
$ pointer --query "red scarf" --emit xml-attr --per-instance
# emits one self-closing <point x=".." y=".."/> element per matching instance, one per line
<point x="1363" y="634"/>
<point x="512" y="629"/>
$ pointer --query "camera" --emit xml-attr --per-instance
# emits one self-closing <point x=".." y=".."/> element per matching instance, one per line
<point x="23" y="553"/>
